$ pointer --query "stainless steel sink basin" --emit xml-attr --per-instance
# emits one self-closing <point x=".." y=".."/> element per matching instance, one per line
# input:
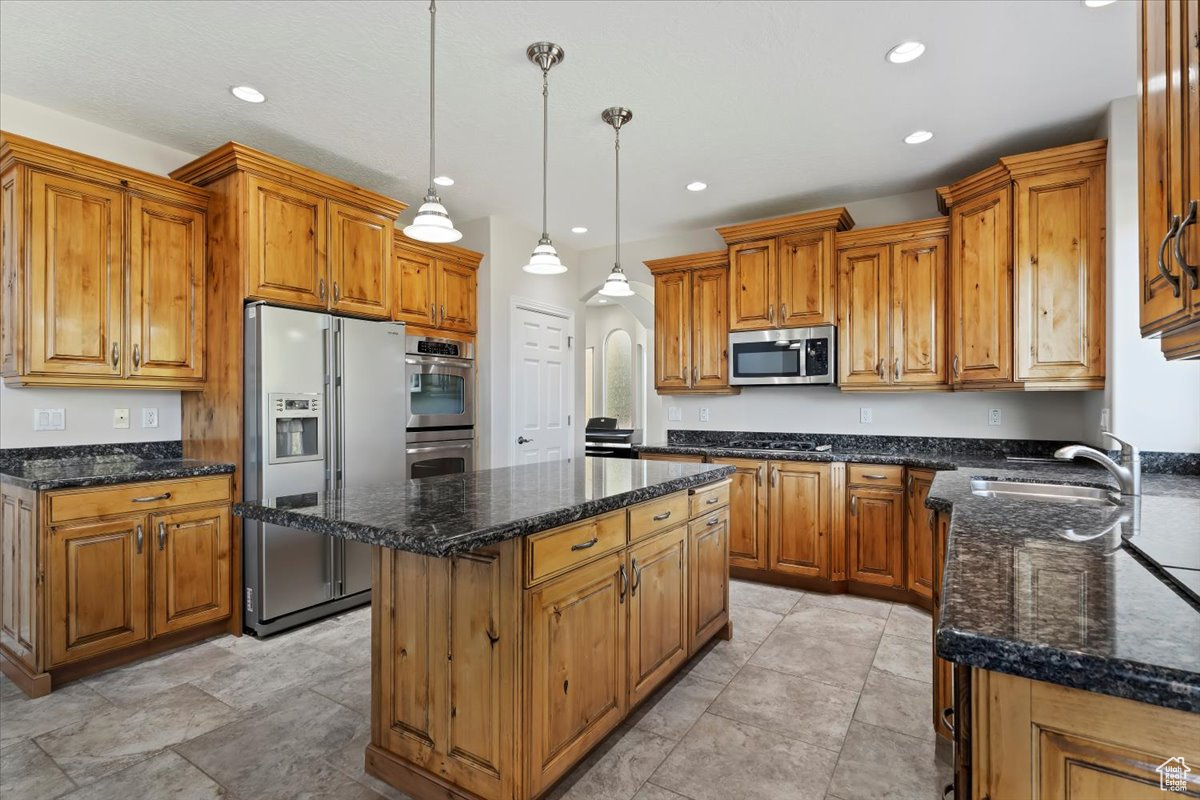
<point x="1045" y="492"/>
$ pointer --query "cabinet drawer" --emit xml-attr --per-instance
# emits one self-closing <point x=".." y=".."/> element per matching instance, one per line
<point x="558" y="550"/>
<point x="875" y="475"/>
<point x="657" y="515"/>
<point x="137" y="497"/>
<point x="710" y="520"/>
<point x="707" y="498"/>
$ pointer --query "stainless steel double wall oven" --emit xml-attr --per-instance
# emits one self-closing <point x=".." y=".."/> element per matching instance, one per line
<point x="439" y="374"/>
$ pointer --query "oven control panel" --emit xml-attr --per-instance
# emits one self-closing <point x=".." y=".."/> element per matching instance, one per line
<point x="426" y="347"/>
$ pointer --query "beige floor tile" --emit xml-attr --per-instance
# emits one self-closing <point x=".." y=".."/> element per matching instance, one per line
<point x="752" y="624"/>
<point x="160" y="776"/>
<point x="907" y="658"/>
<point x="617" y="769"/>
<point x="790" y="705"/>
<point x="721" y="660"/>
<point x="846" y="627"/>
<point x="910" y="622"/>
<point x="135" y="683"/>
<point x="24" y="718"/>
<point x="777" y="599"/>
<point x="352" y="689"/>
<point x="898" y="704"/>
<point x="346" y="638"/>
<point x="276" y="667"/>
<point x="721" y="759"/>
<point x="651" y="792"/>
<point x="791" y="650"/>
<point x="120" y="736"/>
<point x="849" y="602"/>
<point x="27" y="773"/>
<point x="878" y="764"/>
<point x="675" y="707"/>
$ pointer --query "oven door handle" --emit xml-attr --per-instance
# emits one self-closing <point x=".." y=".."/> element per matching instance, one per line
<point x="431" y="361"/>
<point x="419" y="450"/>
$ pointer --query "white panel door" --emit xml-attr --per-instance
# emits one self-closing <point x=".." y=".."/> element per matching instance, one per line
<point x="543" y="375"/>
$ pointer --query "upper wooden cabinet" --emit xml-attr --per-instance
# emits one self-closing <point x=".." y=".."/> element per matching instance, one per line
<point x="892" y="297"/>
<point x="1169" y="170"/>
<point x="782" y="271"/>
<point x="435" y="285"/>
<point x="103" y="272"/>
<point x="1027" y="271"/>
<point x="308" y="240"/>
<point x="691" y="332"/>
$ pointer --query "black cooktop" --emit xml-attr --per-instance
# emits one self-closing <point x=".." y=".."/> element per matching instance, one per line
<point x="771" y="444"/>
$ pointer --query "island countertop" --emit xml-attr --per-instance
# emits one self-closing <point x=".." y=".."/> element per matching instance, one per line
<point x="452" y="514"/>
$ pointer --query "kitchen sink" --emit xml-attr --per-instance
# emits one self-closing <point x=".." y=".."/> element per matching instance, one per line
<point x="1046" y="492"/>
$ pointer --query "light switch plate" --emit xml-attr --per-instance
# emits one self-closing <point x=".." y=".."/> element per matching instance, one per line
<point x="864" y="416"/>
<point x="704" y="415"/>
<point x="120" y="417"/>
<point x="993" y="416"/>
<point x="49" y="419"/>
<point x="149" y="417"/>
<point x="674" y="414"/>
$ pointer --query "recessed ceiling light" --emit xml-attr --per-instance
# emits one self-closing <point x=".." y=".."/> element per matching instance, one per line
<point x="579" y="229"/>
<point x="1098" y="3"/>
<point x="444" y="180"/>
<point x="602" y="300"/>
<point x="248" y="93"/>
<point x="905" y="52"/>
<point x="916" y="137"/>
<point x="697" y="186"/>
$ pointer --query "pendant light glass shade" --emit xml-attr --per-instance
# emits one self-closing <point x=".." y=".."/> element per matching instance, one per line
<point x="616" y="284"/>
<point x="544" y="260"/>
<point x="432" y="223"/>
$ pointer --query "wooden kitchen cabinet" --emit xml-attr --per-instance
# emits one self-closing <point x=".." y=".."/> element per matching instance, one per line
<point x="748" y="521"/>
<point x="456" y="297"/>
<point x="658" y="610"/>
<point x="286" y="232"/>
<point x="875" y="526"/>
<point x="943" y="670"/>
<point x="436" y="285"/>
<point x="708" y="576"/>
<point x="691" y="332"/>
<point x="919" y="535"/>
<point x="864" y="323"/>
<point x="415" y="301"/>
<point x="1169" y="174"/>
<point x="981" y="289"/>
<point x="783" y="271"/>
<point x="103" y="273"/>
<point x="800" y="530"/>
<point x="191" y="568"/>
<point x="360" y="260"/>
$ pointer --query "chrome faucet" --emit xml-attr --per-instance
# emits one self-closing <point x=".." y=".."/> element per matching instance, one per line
<point x="1128" y="473"/>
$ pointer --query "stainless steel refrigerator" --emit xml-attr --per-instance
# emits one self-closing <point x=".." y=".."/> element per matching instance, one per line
<point x="325" y="408"/>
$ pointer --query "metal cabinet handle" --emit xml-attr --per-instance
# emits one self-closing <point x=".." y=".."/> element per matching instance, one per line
<point x="955" y="365"/>
<point x="713" y="521"/>
<point x="321" y="288"/>
<point x="163" y="496"/>
<point x="585" y="545"/>
<point x="141" y="537"/>
<point x="783" y="312"/>
<point x="854" y="505"/>
<point x="162" y="535"/>
<point x="948" y="718"/>
<point x="910" y="482"/>
<point x="874" y="477"/>
<point x="1192" y="270"/>
<point x="929" y="515"/>
<point x="695" y="376"/>
<point x="137" y="356"/>
<point x="712" y="501"/>
<point x="662" y="516"/>
<point x="116" y="354"/>
<point x="433" y="311"/>
<point x="761" y="471"/>
<point x="770" y="312"/>
<point x="879" y="368"/>
<point x="896" y="369"/>
<point x="624" y="584"/>
<point x="774" y="476"/>
<point x="637" y="579"/>
<point x="443" y="307"/>
<point x="337" y="293"/>
<point x="1172" y="229"/>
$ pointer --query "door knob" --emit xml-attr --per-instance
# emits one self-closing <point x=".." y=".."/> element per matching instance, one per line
<point x="523" y="440"/>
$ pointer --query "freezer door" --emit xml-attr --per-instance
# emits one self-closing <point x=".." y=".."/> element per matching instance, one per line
<point x="296" y="570"/>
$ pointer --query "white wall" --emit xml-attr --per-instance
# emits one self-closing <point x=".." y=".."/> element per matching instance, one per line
<point x="88" y="411"/>
<point x="1153" y="403"/>
<point x="599" y="322"/>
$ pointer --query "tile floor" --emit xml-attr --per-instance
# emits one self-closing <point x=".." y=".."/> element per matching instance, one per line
<point x="824" y="697"/>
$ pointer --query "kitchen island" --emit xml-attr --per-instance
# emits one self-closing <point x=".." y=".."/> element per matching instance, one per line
<point x="519" y="614"/>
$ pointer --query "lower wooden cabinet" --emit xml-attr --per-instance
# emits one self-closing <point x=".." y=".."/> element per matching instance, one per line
<point x="919" y="534"/>
<point x="658" y="610"/>
<point x="747" y="512"/>
<point x="875" y="535"/>
<point x="800" y="499"/>
<point x="191" y="568"/>
<point x="708" y="577"/>
<point x="943" y="670"/>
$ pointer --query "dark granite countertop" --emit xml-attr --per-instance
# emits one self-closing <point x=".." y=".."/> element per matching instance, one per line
<point x="452" y="514"/>
<point x="1028" y="591"/>
<point x="41" y="474"/>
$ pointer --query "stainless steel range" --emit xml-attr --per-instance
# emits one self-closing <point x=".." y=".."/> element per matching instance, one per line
<point x="604" y="439"/>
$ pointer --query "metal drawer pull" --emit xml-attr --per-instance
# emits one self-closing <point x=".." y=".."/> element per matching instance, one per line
<point x="760" y="472"/>
<point x="337" y="295"/>
<point x="162" y="535"/>
<point x="321" y="288"/>
<point x="585" y="545"/>
<point x="1172" y="229"/>
<point x="854" y="506"/>
<point x="774" y="476"/>
<point x="783" y="311"/>
<point x="624" y="584"/>
<point x="141" y="537"/>
<point x="771" y="312"/>
<point x="432" y="311"/>
<point x="163" y="496"/>
<point x="948" y="718"/>
<point x="116" y="354"/>
<point x="637" y="579"/>
<point x="662" y="516"/>
<point x="896" y="369"/>
<point x="137" y="356"/>
<point x="955" y="365"/>
<point x="1192" y="271"/>
<point x="879" y="369"/>
<point x="713" y="521"/>
<point x="875" y="477"/>
<point x="712" y="501"/>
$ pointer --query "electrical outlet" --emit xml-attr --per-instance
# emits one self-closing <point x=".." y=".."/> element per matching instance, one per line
<point x="993" y="416"/>
<point x="674" y="414"/>
<point x="704" y="415"/>
<point x="49" y="419"/>
<point x="864" y="416"/>
<point x="1104" y="417"/>
<point x="120" y="417"/>
<point x="149" y="417"/>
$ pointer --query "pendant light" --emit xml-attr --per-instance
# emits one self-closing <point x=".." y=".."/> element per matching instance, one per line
<point x="617" y="285"/>
<point x="432" y="223"/>
<point x="544" y="260"/>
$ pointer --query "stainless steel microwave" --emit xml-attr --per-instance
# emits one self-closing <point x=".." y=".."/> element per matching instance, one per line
<point x="776" y="357"/>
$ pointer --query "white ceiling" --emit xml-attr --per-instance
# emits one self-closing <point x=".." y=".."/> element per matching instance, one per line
<point x="778" y="106"/>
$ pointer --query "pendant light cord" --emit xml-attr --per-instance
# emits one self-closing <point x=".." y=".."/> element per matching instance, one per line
<point x="545" y="141"/>
<point x="617" y="147"/>
<point x="432" y="45"/>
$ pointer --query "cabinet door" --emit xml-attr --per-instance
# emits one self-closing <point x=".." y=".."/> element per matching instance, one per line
<point x="708" y="577"/>
<point x="285" y="244"/>
<point x="800" y="528"/>
<point x="752" y="286"/>
<point x="191" y="568"/>
<point x="456" y="297"/>
<point x="76" y="288"/>
<point x="672" y="330"/>
<point x="20" y="617"/>
<point x="807" y="280"/>
<point x="416" y="289"/>
<point x="919" y="535"/>
<point x="577" y="665"/>
<point x="360" y="259"/>
<point x="98" y="592"/>
<point x="919" y="299"/>
<point x="166" y="291"/>
<point x="1189" y="239"/>
<point x="863" y="316"/>
<point x="1060" y="308"/>
<point x="875" y="527"/>
<point x="981" y="289"/>
<point x="747" y="513"/>
<point x="658" y="610"/>
<point x="710" y="328"/>
<point x="1161" y="155"/>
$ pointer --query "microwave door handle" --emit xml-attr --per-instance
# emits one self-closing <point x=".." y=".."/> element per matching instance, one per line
<point x="802" y="349"/>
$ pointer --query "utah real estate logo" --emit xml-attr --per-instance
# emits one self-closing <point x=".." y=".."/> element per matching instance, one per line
<point x="1172" y="774"/>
